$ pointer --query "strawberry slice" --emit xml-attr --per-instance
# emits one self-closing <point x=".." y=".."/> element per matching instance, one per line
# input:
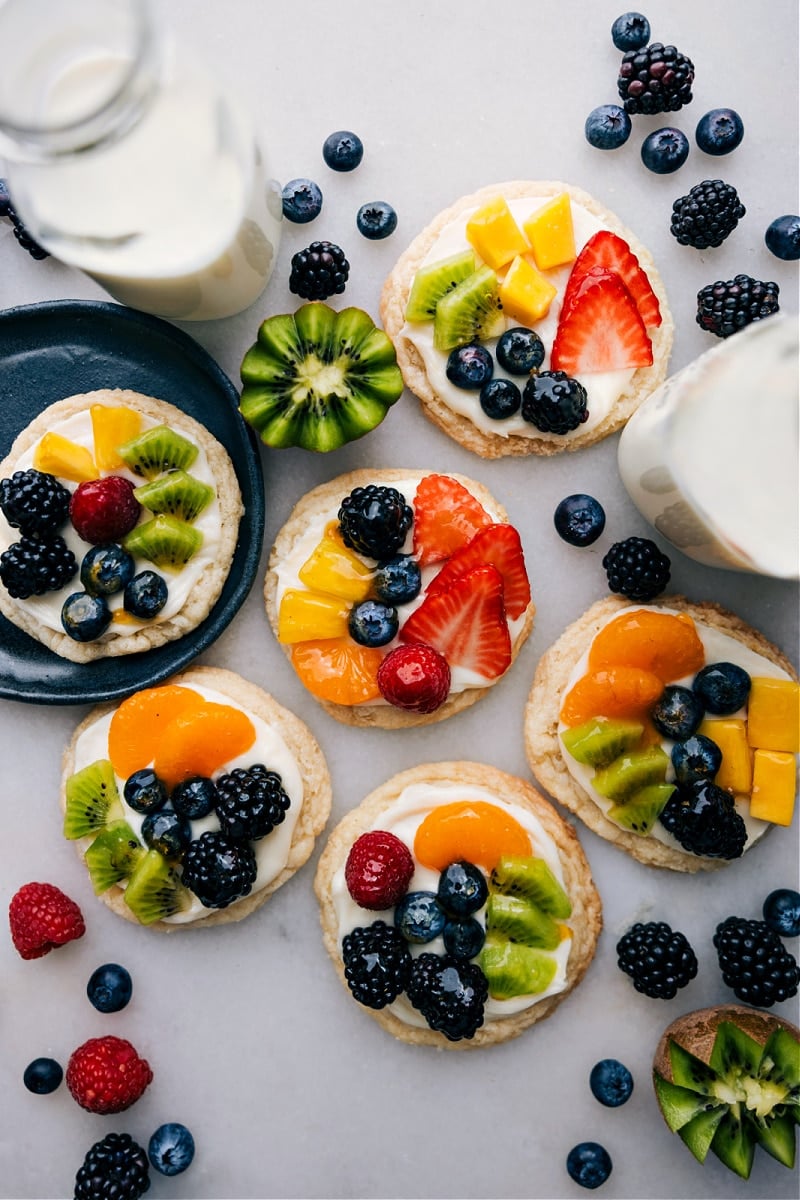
<point x="499" y="545"/>
<point x="466" y="623"/>
<point x="607" y="249"/>
<point x="446" y="517"/>
<point x="601" y="331"/>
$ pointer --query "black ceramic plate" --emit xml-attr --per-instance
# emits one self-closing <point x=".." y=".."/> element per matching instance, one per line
<point x="64" y="347"/>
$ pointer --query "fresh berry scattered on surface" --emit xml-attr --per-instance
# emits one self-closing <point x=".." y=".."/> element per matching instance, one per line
<point x="579" y="519"/>
<point x="520" y="351"/>
<point x="500" y="546"/>
<point x="171" y="1149"/>
<point x="219" y="869"/>
<point x="20" y="232"/>
<point x="376" y="220"/>
<point x="462" y="889"/>
<point x="783" y="237"/>
<point x="677" y="713"/>
<point x="463" y="939"/>
<point x="373" y="623"/>
<point x="301" y="200"/>
<point x="144" y="791"/>
<point x="377" y="963"/>
<point x="33" y="566"/>
<point x="106" y="1075"/>
<point x="145" y="595"/>
<point x="319" y="271"/>
<point x="415" y="678"/>
<point x="42" y="918"/>
<point x="727" y="306"/>
<point x="665" y="150"/>
<point x="104" y="510"/>
<point x="719" y="131"/>
<point x="607" y="127"/>
<point x="195" y="797"/>
<point x="707" y="215"/>
<point x="781" y="911"/>
<point x="420" y="917"/>
<point x="466" y="623"/>
<point x="375" y="520"/>
<point x="589" y="1164"/>
<point x="113" y="1169"/>
<point x="754" y="962"/>
<point x="696" y="757"/>
<point x="449" y="993"/>
<point x="378" y="870"/>
<point x="106" y="570"/>
<point x="554" y="402"/>
<point x="703" y="819"/>
<point x="637" y="569"/>
<point x="469" y="367"/>
<point x="343" y="150"/>
<point x="167" y="832"/>
<point x="611" y="1082"/>
<point x="658" y="960"/>
<point x="630" y="31"/>
<point x="722" y="687"/>
<point x="110" y="988"/>
<point x="655" y="79"/>
<point x="43" y="1076"/>
<point x="34" y="502"/>
<point x="251" y="802"/>
<point x="500" y="399"/>
<point x="85" y="618"/>
<point x="397" y="580"/>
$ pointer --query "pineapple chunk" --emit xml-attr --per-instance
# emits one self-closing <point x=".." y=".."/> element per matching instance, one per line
<point x="494" y="233"/>
<point x="549" y="231"/>
<point x="773" y="714"/>
<point x="307" y="616"/>
<point x="112" y="426"/>
<point x="525" y="294"/>
<point x="736" y="772"/>
<point x="772" y="798"/>
<point x="334" y="569"/>
<point x="57" y="455"/>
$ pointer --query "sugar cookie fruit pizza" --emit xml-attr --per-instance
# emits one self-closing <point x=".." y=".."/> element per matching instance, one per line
<point x="191" y="803"/>
<point x="528" y="320"/>
<point x="399" y="596"/>
<point x="671" y="730"/>
<point x="457" y="905"/>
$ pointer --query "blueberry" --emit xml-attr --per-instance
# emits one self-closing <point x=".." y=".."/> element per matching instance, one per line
<point x="723" y="687"/>
<point x="781" y="912"/>
<point x="697" y="757"/>
<point x="145" y="595"/>
<point x="579" y="519"/>
<point x="783" y="237"/>
<point x="719" y="131"/>
<point x="678" y="713"/>
<point x="469" y="367"/>
<point x="43" y="1076"/>
<point x="464" y="939"/>
<point x="171" y="1149"/>
<point x="343" y="150"/>
<point x="85" y="617"/>
<point x="144" y="791"/>
<point x="462" y="889"/>
<point x="106" y="570"/>
<point x="373" y="623"/>
<point x="520" y="351"/>
<point x="301" y="200"/>
<point x="630" y="31"/>
<point x="500" y="398"/>
<point x="167" y="832"/>
<point x="607" y="127"/>
<point x="398" y="580"/>
<point x="419" y="917"/>
<point x="194" y="798"/>
<point x="611" y="1082"/>
<point x="376" y="220"/>
<point x="665" y="150"/>
<point x="109" y="988"/>
<point x="589" y="1164"/>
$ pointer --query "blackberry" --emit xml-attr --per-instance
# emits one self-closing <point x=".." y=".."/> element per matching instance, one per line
<point x="34" y="502"/>
<point x="20" y="232"/>
<point x="637" y="569"/>
<point x="114" y="1169"/>
<point x="706" y="216"/>
<point x="658" y="959"/>
<point x="375" y="520"/>
<point x="725" y="307"/>
<point x="219" y="869"/>
<point x="755" y="963"/>
<point x="703" y="819"/>
<point x="250" y="803"/>
<point x="319" y="271"/>
<point x="450" y="993"/>
<point x="554" y="402"/>
<point x="377" y="963"/>
<point x="5" y="199"/>
<point x="33" y="566"/>
<point x="655" y="79"/>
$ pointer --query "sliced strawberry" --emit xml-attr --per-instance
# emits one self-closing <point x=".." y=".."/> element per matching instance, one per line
<point x="601" y="331"/>
<point x="446" y="517"/>
<point x="500" y="546"/>
<point x="607" y="249"/>
<point x="466" y="623"/>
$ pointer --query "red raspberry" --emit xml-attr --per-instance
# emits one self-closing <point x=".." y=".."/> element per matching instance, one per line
<point x="415" y="677"/>
<point x="106" y="1075"/>
<point x="104" y="510"/>
<point x="42" y="918"/>
<point x="378" y="870"/>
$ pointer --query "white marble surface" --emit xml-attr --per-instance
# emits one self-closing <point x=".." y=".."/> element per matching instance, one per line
<point x="290" y="1089"/>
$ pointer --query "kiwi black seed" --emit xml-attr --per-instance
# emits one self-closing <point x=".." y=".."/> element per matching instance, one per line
<point x="154" y="890"/>
<point x="158" y="449"/>
<point x="471" y="312"/>
<point x="177" y="494"/>
<point x="166" y="541"/>
<point x="112" y="855"/>
<point x="432" y="282"/>
<point x="92" y="800"/>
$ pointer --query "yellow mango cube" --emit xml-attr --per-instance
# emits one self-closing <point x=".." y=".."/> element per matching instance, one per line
<point x="57" y="455"/>
<point x="334" y="569"/>
<point x="112" y="426"/>
<point x="550" y="233"/>
<point x="307" y="616"/>
<point x="773" y="714"/>
<point x="774" y="786"/>
<point x="525" y="294"/>
<point x="494" y="234"/>
<point x="736" y="773"/>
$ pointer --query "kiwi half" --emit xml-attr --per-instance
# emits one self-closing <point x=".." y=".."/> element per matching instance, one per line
<point x="470" y="312"/>
<point x="432" y="282"/>
<point x="112" y="855"/>
<point x="532" y="879"/>
<point x="166" y="541"/>
<point x="317" y="378"/>
<point x="92" y="800"/>
<point x="154" y="890"/>
<point x="176" y="493"/>
<point x="602" y="739"/>
<point x="157" y="449"/>
<point x="512" y="969"/>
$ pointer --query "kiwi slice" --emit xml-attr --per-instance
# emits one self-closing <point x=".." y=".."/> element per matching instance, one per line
<point x="318" y="378"/>
<point x="92" y="800"/>
<point x="599" y="741"/>
<point x="154" y="890"/>
<point x="112" y="855"/>
<point x="512" y="969"/>
<point x="520" y="920"/>
<point x="176" y="493"/>
<point x="470" y="312"/>
<point x="532" y="879"/>
<point x="699" y="1133"/>
<point x="640" y="813"/>
<point x="629" y="773"/>
<point x="166" y="541"/>
<point x="432" y="282"/>
<point x="157" y="449"/>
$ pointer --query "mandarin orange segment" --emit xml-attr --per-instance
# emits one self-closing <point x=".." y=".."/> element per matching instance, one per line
<point x="473" y="830"/>
<point x="200" y="741"/>
<point x="666" y="644"/>
<point x="338" y="669"/>
<point x="139" y="722"/>
<point x="611" y="692"/>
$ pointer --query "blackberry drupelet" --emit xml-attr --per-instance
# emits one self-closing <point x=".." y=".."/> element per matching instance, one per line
<point x="755" y="963"/>
<point x="450" y="993"/>
<point x="319" y="271"/>
<point x="115" y="1168"/>
<point x="637" y="569"/>
<point x="33" y="566"/>
<point x="658" y="959"/>
<point x="375" y="520"/>
<point x="703" y="819"/>
<point x="554" y="402"/>
<point x="704" y="218"/>
<point x="34" y="502"/>
<point x="377" y="963"/>
<point x="726" y="306"/>
<point x="250" y="802"/>
<point x="219" y="869"/>
<point x="655" y="79"/>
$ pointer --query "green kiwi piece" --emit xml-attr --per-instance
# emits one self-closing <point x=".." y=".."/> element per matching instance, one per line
<point x="679" y="1105"/>
<point x="783" y="1052"/>
<point x="698" y="1134"/>
<point x="778" y="1138"/>
<point x="521" y="920"/>
<point x="640" y="813"/>
<point x="602" y="739"/>
<point x="92" y="800"/>
<point x="471" y="312"/>
<point x="432" y="282"/>
<point x="166" y="541"/>
<point x="630" y="773"/>
<point x="318" y="379"/>
<point x="734" y="1145"/>
<point x="176" y="493"/>
<point x="112" y="855"/>
<point x="154" y="890"/>
<point x="157" y="449"/>
<point x="515" y="970"/>
<point x="531" y="878"/>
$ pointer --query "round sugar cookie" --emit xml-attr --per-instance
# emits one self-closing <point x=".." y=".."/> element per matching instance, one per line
<point x="466" y="423"/>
